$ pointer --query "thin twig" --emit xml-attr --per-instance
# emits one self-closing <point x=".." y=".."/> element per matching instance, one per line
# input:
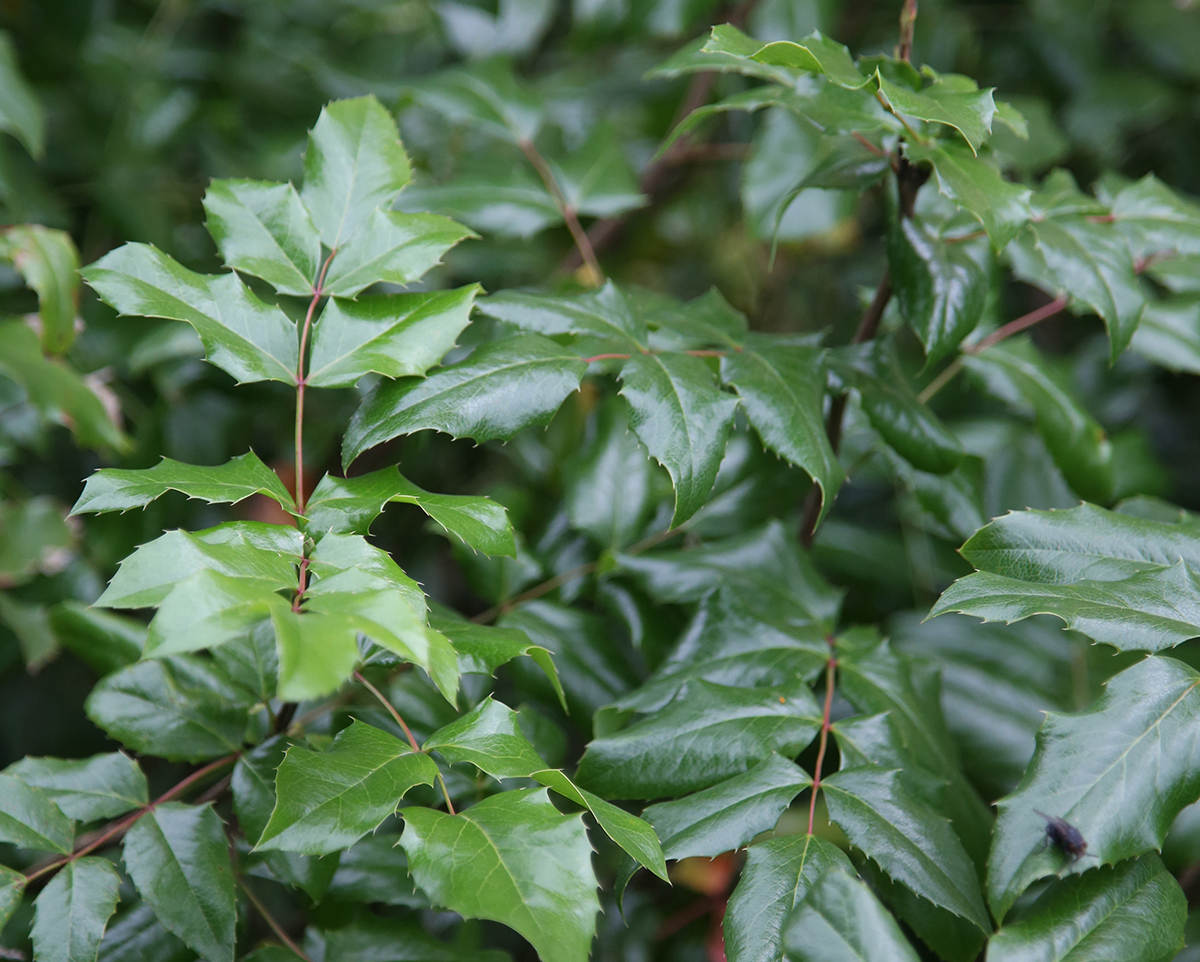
<point x="271" y="921"/>
<point x="301" y="381"/>
<point x="908" y="24"/>
<point x="569" y="214"/>
<point x="830" y="668"/>
<point x="1022" y="323"/>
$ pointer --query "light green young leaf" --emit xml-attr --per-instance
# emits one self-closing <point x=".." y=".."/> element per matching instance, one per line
<point x="782" y="390"/>
<point x="264" y="229"/>
<point x="118" y="489"/>
<point x="326" y="801"/>
<point x="970" y="112"/>
<point x="1138" y="743"/>
<point x="731" y="813"/>
<point x="317" y="653"/>
<point x="501" y="388"/>
<point x="489" y="738"/>
<point x="940" y="288"/>
<point x="354" y="164"/>
<point x="49" y="263"/>
<point x="30" y="818"/>
<point x="777" y="875"/>
<point x="392" y="247"/>
<point x="12" y="887"/>
<point x="815" y="54"/>
<point x="246" y="550"/>
<point x="20" y="112"/>
<point x="708" y="733"/>
<point x="344" y="563"/>
<point x="86" y="789"/>
<point x="1017" y="373"/>
<point x="1134" y="910"/>
<point x="606" y="313"/>
<point x="208" y="609"/>
<point x="349" y="505"/>
<point x="912" y="843"/>
<point x="251" y="340"/>
<point x="683" y="418"/>
<point x="56" y="391"/>
<point x="840" y="918"/>
<point x="976" y="186"/>
<point x="539" y="863"/>
<point x="181" y="708"/>
<point x="178" y="857"/>
<point x="71" y="913"/>
<point x="727" y="50"/>
<point x="396" y="335"/>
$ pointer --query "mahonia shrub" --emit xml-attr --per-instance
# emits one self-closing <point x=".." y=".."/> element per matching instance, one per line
<point x="678" y="654"/>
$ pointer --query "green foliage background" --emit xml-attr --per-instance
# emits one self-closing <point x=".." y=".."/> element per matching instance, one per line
<point x="140" y="105"/>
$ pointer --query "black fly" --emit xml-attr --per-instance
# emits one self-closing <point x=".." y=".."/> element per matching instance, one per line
<point x="1065" y="837"/>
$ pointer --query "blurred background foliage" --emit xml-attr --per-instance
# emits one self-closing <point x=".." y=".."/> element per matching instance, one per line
<point x="145" y="102"/>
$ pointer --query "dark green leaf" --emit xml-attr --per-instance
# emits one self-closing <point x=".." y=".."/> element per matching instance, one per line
<point x="12" y="887"/>
<point x="1136" y="744"/>
<point x="30" y="533"/>
<point x="396" y="335"/>
<point x="71" y="913"/>
<point x="242" y="335"/>
<point x="329" y="800"/>
<point x="538" y="861"/>
<point x="1156" y="219"/>
<point x="509" y="202"/>
<point x="117" y="489"/>
<point x="86" y="789"/>
<point x="1169" y="335"/>
<point x="605" y="313"/>
<point x="354" y="164"/>
<point x="839" y="918"/>
<point x="137" y="936"/>
<point x="1133" y="911"/>
<point x="104" y="641"/>
<point x="253" y="785"/>
<point x="910" y="841"/>
<point x="782" y="390"/>
<point x="501" y="388"/>
<point x="20" y="112"/>
<point x="30" y="818"/>
<point x="373" y="869"/>
<point x="263" y="229"/>
<point x="708" y="733"/>
<point x="940" y="287"/>
<point x="731" y="813"/>
<point x="683" y="418"/>
<point x="178" y="857"/>
<point x="483" y="648"/>
<point x="349" y="505"/>
<point x="776" y="877"/>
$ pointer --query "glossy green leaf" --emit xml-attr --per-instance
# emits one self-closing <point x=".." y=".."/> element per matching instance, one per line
<point x="354" y="164"/>
<point x="487" y="97"/>
<point x="501" y="388"/>
<point x="731" y="813"/>
<point x="976" y="186"/>
<point x="20" y="112"/>
<point x="86" y="789"/>
<point x="56" y="391"/>
<point x="104" y="641"/>
<point x="391" y="247"/>
<point x="815" y="54"/>
<point x="911" y="842"/>
<point x="49" y="263"/>
<point x="782" y="390"/>
<point x="373" y="869"/>
<point x="506" y="201"/>
<point x="703" y="321"/>
<point x="251" y="340"/>
<point x="209" y="609"/>
<point x="248" y="550"/>
<point x="263" y="229"/>
<point x="909" y="427"/>
<point x="1091" y="264"/>
<point x="489" y="738"/>
<point x="840" y="918"/>
<point x="970" y="112"/>
<point x="396" y="335"/>
<point x="940" y="288"/>
<point x="317" y="653"/>
<point x="326" y="801"/>
<point x="605" y="313"/>
<point x="727" y="642"/>
<point x="30" y="818"/>
<point x="777" y="875"/>
<point x="347" y="563"/>
<point x="539" y="862"/>
<point x="12" y="887"/>
<point x="708" y="733"/>
<point x="181" y="708"/>
<point x="597" y="179"/>
<point x="1134" y="910"/>
<point x="349" y="505"/>
<point x="71" y="913"/>
<point x="727" y="49"/>
<point x="119" y="489"/>
<point x="178" y="857"/>
<point x="1136" y="743"/>
<point x="1154" y="218"/>
<point x="683" y="418"/>
<point x="1169" y="335"/>
<point x="482" y="649"/>
<point x="253" y="785"/>
<point x="1018" y="374"/>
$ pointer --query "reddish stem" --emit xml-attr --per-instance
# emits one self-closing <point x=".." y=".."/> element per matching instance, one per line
<point x="607" y="357"/>
<point x="1020" y="324"/>
<point x="302" y="382"/>
<point x="830" y="668"/>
